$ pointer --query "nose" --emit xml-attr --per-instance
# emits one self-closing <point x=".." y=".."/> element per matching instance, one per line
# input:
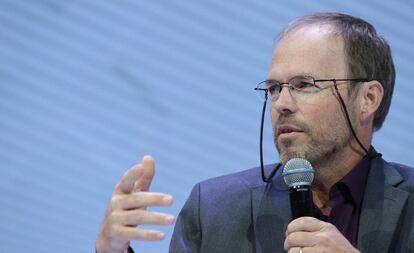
<point x="285" y="103"/>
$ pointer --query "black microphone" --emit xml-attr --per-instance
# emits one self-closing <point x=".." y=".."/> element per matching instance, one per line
<point x="298" y="175"/>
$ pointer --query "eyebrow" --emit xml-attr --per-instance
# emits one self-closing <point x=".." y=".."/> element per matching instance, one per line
<point x="302" y="75"/>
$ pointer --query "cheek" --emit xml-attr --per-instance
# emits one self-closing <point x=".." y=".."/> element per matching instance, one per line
<point x="273" y="112"/>
<point x="324" y="117"/>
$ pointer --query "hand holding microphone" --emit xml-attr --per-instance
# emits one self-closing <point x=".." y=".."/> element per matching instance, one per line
<point x="306" y="234"/>
<point x="298" y="175"/>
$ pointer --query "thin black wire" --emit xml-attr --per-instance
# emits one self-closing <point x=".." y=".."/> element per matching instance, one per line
<point x="261" y="138"/>
<point x="348" y="119"/>
<point x="269" y="178"/>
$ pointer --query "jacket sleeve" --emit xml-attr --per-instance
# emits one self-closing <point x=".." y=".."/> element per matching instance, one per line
<point x="187" y="234"/>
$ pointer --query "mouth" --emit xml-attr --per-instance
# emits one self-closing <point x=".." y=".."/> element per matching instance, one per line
<point x="287" y="130"/>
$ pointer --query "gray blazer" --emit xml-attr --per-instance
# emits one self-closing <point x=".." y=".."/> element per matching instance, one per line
<point x="241" y="214"/>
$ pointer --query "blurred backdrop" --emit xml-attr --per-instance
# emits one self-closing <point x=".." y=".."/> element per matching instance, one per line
<point x="89" y="87"/>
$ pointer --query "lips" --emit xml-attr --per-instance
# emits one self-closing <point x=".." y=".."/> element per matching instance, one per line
<point x="286" y="129"/>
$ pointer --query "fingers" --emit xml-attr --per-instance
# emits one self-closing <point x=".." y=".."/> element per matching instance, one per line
<point x="128" y="180"/>
<point x="127" y="210"/>
<point x="300" y="233"/>
<point x="138" y="178"/>
<point x="140" y="200"/>
<point x="142" y="217"/>
<point x="308" y="224"/>
<point x="117" y="238"/>
<point x="306" y="250"/>
<point x="299" y="239"/>
<point x="136" y="233"/>
<point x="148" y="170"/>
<point x="295" y="250"/>
<point x="313" y="235"/>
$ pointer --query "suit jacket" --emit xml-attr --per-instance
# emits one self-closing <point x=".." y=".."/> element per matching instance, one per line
<point x="239" y="213"/>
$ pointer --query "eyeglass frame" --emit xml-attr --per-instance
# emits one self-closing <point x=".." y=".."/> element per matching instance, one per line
<point x="268" y="179"/>
<point x="291" y="87"/>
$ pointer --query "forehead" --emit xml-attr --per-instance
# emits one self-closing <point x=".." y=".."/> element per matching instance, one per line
<point x="312" y="50"/>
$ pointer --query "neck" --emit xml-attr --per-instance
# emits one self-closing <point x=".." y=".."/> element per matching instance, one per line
<point x="333" y="169"/>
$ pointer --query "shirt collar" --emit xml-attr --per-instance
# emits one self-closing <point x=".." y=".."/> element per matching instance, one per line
<point x="356" y="180"/>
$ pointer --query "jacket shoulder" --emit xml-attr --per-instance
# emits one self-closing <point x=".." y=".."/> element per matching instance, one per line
<point x="250" y="178"/>
<point x="407" y="173"/>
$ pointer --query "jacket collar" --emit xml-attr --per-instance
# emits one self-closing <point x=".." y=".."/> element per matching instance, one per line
<point x="381" y="208"/>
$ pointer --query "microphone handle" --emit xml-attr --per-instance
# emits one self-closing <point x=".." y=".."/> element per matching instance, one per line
<point x="301" y="202"/>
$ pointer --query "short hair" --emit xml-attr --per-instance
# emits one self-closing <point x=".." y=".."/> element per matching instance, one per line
<point x="368" y="55"/>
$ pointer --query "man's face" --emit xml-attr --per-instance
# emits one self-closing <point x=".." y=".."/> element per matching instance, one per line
<point x="311" y="127"/>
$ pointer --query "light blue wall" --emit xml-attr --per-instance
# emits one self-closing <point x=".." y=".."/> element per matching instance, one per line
<point x="88" y="87"/>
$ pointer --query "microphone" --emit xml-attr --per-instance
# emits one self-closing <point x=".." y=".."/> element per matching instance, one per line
<point x="298" y="175"/>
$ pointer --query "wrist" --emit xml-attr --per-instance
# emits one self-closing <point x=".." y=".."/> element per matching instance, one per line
<point x="102" y="247"/>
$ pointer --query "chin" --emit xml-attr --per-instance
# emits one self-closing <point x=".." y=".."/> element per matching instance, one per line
<point x="288" y="149"/>
<point x="285" y="154"/>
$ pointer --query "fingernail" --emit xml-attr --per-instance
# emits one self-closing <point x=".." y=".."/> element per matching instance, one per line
<point x="167" y="199"/>
<point x="169" y="219"/>
<point x="160" y="235"/>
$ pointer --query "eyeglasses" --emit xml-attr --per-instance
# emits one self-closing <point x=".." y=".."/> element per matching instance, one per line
<point x="299" y="87"/>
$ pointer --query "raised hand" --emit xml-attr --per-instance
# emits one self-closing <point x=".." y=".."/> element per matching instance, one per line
<point x="127" y="210"/>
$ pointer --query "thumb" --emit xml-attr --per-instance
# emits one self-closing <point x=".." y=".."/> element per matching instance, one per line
<point x="148" y="171"/>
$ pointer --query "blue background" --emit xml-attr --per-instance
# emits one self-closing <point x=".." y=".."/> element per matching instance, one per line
<point x="89" y="87"/>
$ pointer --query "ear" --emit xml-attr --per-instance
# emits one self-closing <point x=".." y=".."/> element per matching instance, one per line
<point x="372" y="93"/>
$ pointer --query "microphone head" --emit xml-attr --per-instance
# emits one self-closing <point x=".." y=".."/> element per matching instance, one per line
<point x="298" y="171"/>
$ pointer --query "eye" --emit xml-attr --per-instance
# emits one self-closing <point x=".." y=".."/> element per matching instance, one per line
<point x="273" y="87"/>
<point x="302" y="83"/>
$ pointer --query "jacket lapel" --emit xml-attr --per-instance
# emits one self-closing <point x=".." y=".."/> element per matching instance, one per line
<point x="271" y="212"/>
<point x="381" y="208"/>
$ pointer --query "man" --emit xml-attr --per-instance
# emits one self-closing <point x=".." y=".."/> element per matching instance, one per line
<point x="330" y="85"/>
